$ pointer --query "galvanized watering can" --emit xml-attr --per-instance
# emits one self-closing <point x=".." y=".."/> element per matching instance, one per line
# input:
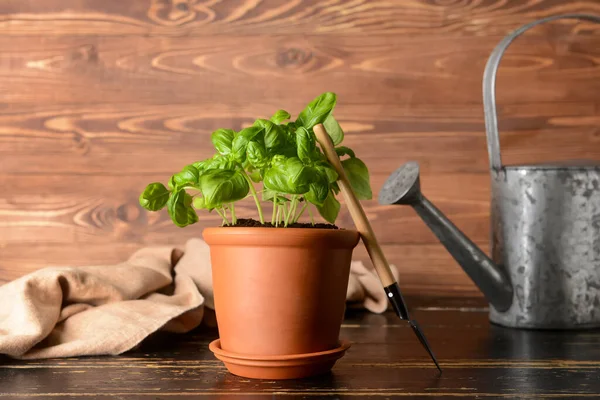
<point x="545" y="229"/>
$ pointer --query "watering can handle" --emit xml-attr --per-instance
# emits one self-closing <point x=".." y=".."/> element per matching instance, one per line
<point x="489" y="84"/>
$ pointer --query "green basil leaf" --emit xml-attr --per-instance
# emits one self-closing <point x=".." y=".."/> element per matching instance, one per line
<point x="192" y="216"/>
<point x="317" y="110"/>
<point x="330" y="208"/>
<point x="280" y="198"/>
<point x="319" y="188"/>
<point x="290" y="134"/>
<point x="319" y="157"/>
<point x="179" y="209"/>
<point x="280" y="116"/>
<point x="288" y="149"/>
<point x="202" y="165"/>
<point x="358" y="175"/>
<point x="222" y="140"/>
<point x="335" y="187"/>
<point x="188" y="200"/>
<point x="299" y="174"/>
<point x="331" y="173"/>
<point x="278" y="139"/>
<point x="154" y="197"/>
<point x="241" y="140"/>
<point x="255" y="175"/>
<point x="199" y="203"/>
<point x="276" y="179"/>
<point x="279" y="160"/>
<point x="343" y="150"/>
<point x="264" y="123"/>
<point x="268" y="194"/>
<point x="223" y="186"/>
<point x="217" y="162"/>
<point x="305" y="145"/>
<point x="275" y="136"/>
<point x="188" y="176"/>
<point x="257" y="155"/>
<point x="172" y="183"/>
<point x="289" y="176"/>
<point x="334" y="130"/>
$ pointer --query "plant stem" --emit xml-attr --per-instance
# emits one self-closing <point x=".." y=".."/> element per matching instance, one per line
<point x="312" y="219"/>
<point x="291" y="217"/>
<point x="274" y="210"/>
<point x="222" y="214"/>
<point x="279" y="207"/>
<point x="301" y="211"/>
<point x="233" y="217"/>
<point x="283" y="206"/>
<point x="256" y="200"/>
<point x="291" y="210"/>
<point x="296" y="202"/>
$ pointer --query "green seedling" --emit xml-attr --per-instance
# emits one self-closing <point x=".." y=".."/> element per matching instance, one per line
<point x="281" y="154"/>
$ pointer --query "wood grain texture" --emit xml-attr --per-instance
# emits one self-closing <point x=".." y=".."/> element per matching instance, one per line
<point x="106" y="139"/>
<point x="432" y="70"/>
<point x="209" y="17"/>
<point x="98" y="98"/>
<point x="479" y="361"/>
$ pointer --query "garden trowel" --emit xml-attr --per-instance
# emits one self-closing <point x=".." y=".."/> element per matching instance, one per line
<point x="391" y="287"/>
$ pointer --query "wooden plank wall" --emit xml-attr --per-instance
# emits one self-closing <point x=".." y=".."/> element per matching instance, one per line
<point x="100" y="97"/>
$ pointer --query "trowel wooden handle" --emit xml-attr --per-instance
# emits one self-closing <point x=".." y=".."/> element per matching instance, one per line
<point x="356" y="211"/>
<point x="382" y="267"/>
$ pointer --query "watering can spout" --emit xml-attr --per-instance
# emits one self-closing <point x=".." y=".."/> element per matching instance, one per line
<point x="403" y="187"/>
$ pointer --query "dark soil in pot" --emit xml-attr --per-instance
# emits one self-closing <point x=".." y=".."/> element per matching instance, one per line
<point x="252" y="223"/>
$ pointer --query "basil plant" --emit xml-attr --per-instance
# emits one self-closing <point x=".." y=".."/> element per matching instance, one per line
<point x="279" y="153"/>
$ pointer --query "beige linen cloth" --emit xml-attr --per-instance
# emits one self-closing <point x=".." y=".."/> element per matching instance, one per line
<point x="110" y="309"/>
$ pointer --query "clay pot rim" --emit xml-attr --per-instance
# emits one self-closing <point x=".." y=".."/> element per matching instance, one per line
<point x="285" y="231"/>
<point x="344" y="238"/>
<point x="215" y="347"/>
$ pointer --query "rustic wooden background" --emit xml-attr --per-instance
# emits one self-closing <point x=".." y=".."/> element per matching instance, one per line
<point x="98" y="98"/>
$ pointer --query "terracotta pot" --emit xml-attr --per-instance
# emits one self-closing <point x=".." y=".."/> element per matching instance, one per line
<point x="279" y="291"/>
<point x="279" y="367"/>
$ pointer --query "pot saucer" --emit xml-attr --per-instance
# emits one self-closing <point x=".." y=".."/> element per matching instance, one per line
<point x="279" y="367"/>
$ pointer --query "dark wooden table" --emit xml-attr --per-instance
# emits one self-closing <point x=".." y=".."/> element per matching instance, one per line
<point x="385" y="361"/>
